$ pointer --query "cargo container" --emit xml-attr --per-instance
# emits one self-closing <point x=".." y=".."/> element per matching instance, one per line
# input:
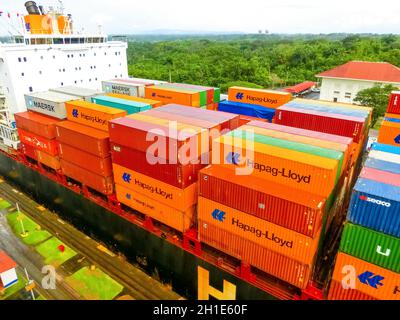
<point x="47" y="145"/>
<point x="384" y="286"/>
<point x="49" y="103"/>
<point x="92" y="115"/>
<point x="394" y="103"/>
<point x="385" y="156"/>
<point x="90" y="162"/>
<point x="381" y="176"/>
<point x="134" y="89"/>
<point x="247" y="109"/>
<point x="178" y="175"/>
<point x="129" y="106"/>
<point x="82" y="93"/>
<point x="37" y="123"/>
<point x="48" y="160"/>
<point x="392" y="117"/>
<point x="93" y="141"/>
<point x="168" y="95"/>
<point x="29" y="151"/>
<point x="101" y="184"/>
<point x="278" y="204"/>
<point x="292" y="168"/>
<point x="153" y="103"/>
<point x="375" y="247"/>
<point x="202" y="92"/>
<point x="376" y="205"/>
<point x="382" y="165"/>
<point x="213" y="94"/>
<point x="178" y="220"/>
<point x="337" y="292"/>
<point x="385" y="148"/>
<point x="389" y="133"/>
<point x="145" y="82"/>
<point x="265" y="98"/>
<point x="320" y="121"/>
<point x="269" y="261"/>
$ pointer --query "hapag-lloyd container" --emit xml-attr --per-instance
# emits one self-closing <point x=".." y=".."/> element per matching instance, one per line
<point x="47" y="145"/>
<point x="202" y="92"/>
<point x="278" y="204"/>
<point x="173" y="95"/>
<point x="177" y="198"/>
<point x="376" y="205"/>
<point x="389" y="133"/>
<point x="178" y="175"/>
<point x="153" y="103"/>
<point x="48" y="160"/>
<point x="385" y="156"/>
<point x="104" y="185"/>
<point x="178" y="220"/>
<point x="85" y="138"/>
<point x="123" y="87"/>
<point x="49" y="103"/>
<point x="337" y="124"/>
<point x="292" y="168"/>
<point x="265" y="98"/>
<point x="375" y="247"/>
<point x="381" y="176"/>
<point x="129" y="106"/>
<point x="382" y="165"/>
<point x="388" y="288"/>
<point x="338" y="292"/>
<point x="37" y="123"/>
<point x="83" y="93"/>
<point x="394" y="103"/>
<point x="90" y="162"/>
<point x="92" y="115"/>
<point x="385" y="148"/>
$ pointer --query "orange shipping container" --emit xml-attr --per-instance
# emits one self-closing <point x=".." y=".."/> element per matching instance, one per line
<point x="265" y="98"/>
<point x="392" y="116"/>
<point x="92" y="115"/>
<point x="178" y="220"/>
<point x="169" y="95"/>
<point x="153" y="103"/>
<point x="370" y="279"/>
<point x="263" y="233"/>
<point x="180" y="199"/>
<point x="337" y="292"/>
<point x="389" y="133"/>
<point x="48" y="160"/>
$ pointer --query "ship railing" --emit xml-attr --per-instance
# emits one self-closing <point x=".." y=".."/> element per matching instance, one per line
<point x="9" y="136"/>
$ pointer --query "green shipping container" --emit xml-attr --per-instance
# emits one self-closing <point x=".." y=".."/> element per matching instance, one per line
<point x="217" y="95"/>
<point x="375" y="247"/>
<point x="129" y="106"/>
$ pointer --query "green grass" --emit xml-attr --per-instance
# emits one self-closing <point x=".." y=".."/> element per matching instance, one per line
<point x="13" y="289"/>
<point x="35" y="234"/>
<point x="51" y="253"/>
<point x="4" y="204"/>
<point x="94" y="285"/>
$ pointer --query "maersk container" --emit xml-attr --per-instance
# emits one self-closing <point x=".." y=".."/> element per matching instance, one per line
<point x="129" y="106"/>
<point x="375" y="247"/>
<point x="376" y="205"/>
<point x="83" y="93"/>
<point x="130" y="89"/>
<point x="385" y="156"/>
<point x="385" y="148"/>
<point x="382" y="165"/>
<point x="49" y="103"/>
<point x="247" y="109"/>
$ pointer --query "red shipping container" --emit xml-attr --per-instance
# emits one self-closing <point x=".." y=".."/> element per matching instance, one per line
<point x="40" y="143"/>
<point x="104" y="185"/>
<point x="337" y="292"/>
<point x="180" y="176"/>
<point x="293" y="209"/>
<point x="37" y="123"/>
<point x="29" y="151"/>
<point x="97" y="165"/>
<point x="88" y="139"/>
<point x="52" y="162"/>
<point x="246" y="119"/>
<point x="341" y="125"/>
<point x="394" y="103"/>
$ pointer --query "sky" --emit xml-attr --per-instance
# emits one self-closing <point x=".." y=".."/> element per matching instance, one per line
<point x="248" y="16"/>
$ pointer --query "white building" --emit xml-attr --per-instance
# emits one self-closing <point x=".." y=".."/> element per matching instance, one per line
<point x="342" y="83"/>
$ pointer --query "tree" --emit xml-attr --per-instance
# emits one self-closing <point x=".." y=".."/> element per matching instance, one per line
<point x="377" y="98"/>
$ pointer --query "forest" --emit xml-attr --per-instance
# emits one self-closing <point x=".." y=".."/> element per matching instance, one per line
<point x="264" y="61"/>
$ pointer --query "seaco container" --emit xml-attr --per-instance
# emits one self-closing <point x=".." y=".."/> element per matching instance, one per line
<point x="173" y="95"/>
<point x="47" y="145"/>
<point x="389" y="133"/>
<point x="104" y="185"/>
<point x="372" y="280"/>
<point x="338" y="292"/>
<point x="129" y="106"/>
<point x="382" y="165"/>
<point x="48" y="160"/>
<point x="83" y="93"/>
<point x="247" y="109"/>
<point x="90" y="140"/>
<point x="292" y="168"/>
<point x="92" y="115"/>
<point x="375" y="247"/>
<point x="394" y="103"/>
<point x="385" y="148"/>
<point x="178" y="175"/>
<point x="265" y="98"/>
<point x="90" y="162"/>
<point x="331" y="123"/>
<point x="376" y="205"/>
<point x="37" y="123"/>
<point x="49" y="103"/>
<point x="178" y="220"/>
<point x="381" y="176"/>
<point x="278" y="204"/>
<point x="134" y="89"/>
<point x="385" y="156"/>
<point x="177" y="198"/>
<point x="153" y="103"/>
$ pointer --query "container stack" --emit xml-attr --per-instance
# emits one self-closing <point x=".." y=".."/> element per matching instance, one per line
<point x="156" y="157"/>
<point x="389" y="132"/>
<point x="129" y="106"/>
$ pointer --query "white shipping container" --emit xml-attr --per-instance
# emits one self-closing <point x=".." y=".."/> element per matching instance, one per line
<point x="113" y="86"/>
<point x="49" y="103"/>
<point x="385" y="156"/>
<point x="83" y="93"/>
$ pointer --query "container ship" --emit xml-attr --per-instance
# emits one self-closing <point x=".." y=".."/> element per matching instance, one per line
<point x="244" y="198"/>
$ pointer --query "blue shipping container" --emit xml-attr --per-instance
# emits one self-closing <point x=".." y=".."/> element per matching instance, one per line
<point x="382" y="165"/>
<point x="129" y="106"/>
<point x="246" y="109"/>
<point x="376" y="205"/>
<point x="385" y="148"/>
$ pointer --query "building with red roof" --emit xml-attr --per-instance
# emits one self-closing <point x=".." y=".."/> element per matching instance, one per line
<point x="341" y="84"/>
<point x="8" y="275"/>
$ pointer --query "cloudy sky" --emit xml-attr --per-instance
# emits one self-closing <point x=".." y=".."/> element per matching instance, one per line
<point x="277" y="16"/>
